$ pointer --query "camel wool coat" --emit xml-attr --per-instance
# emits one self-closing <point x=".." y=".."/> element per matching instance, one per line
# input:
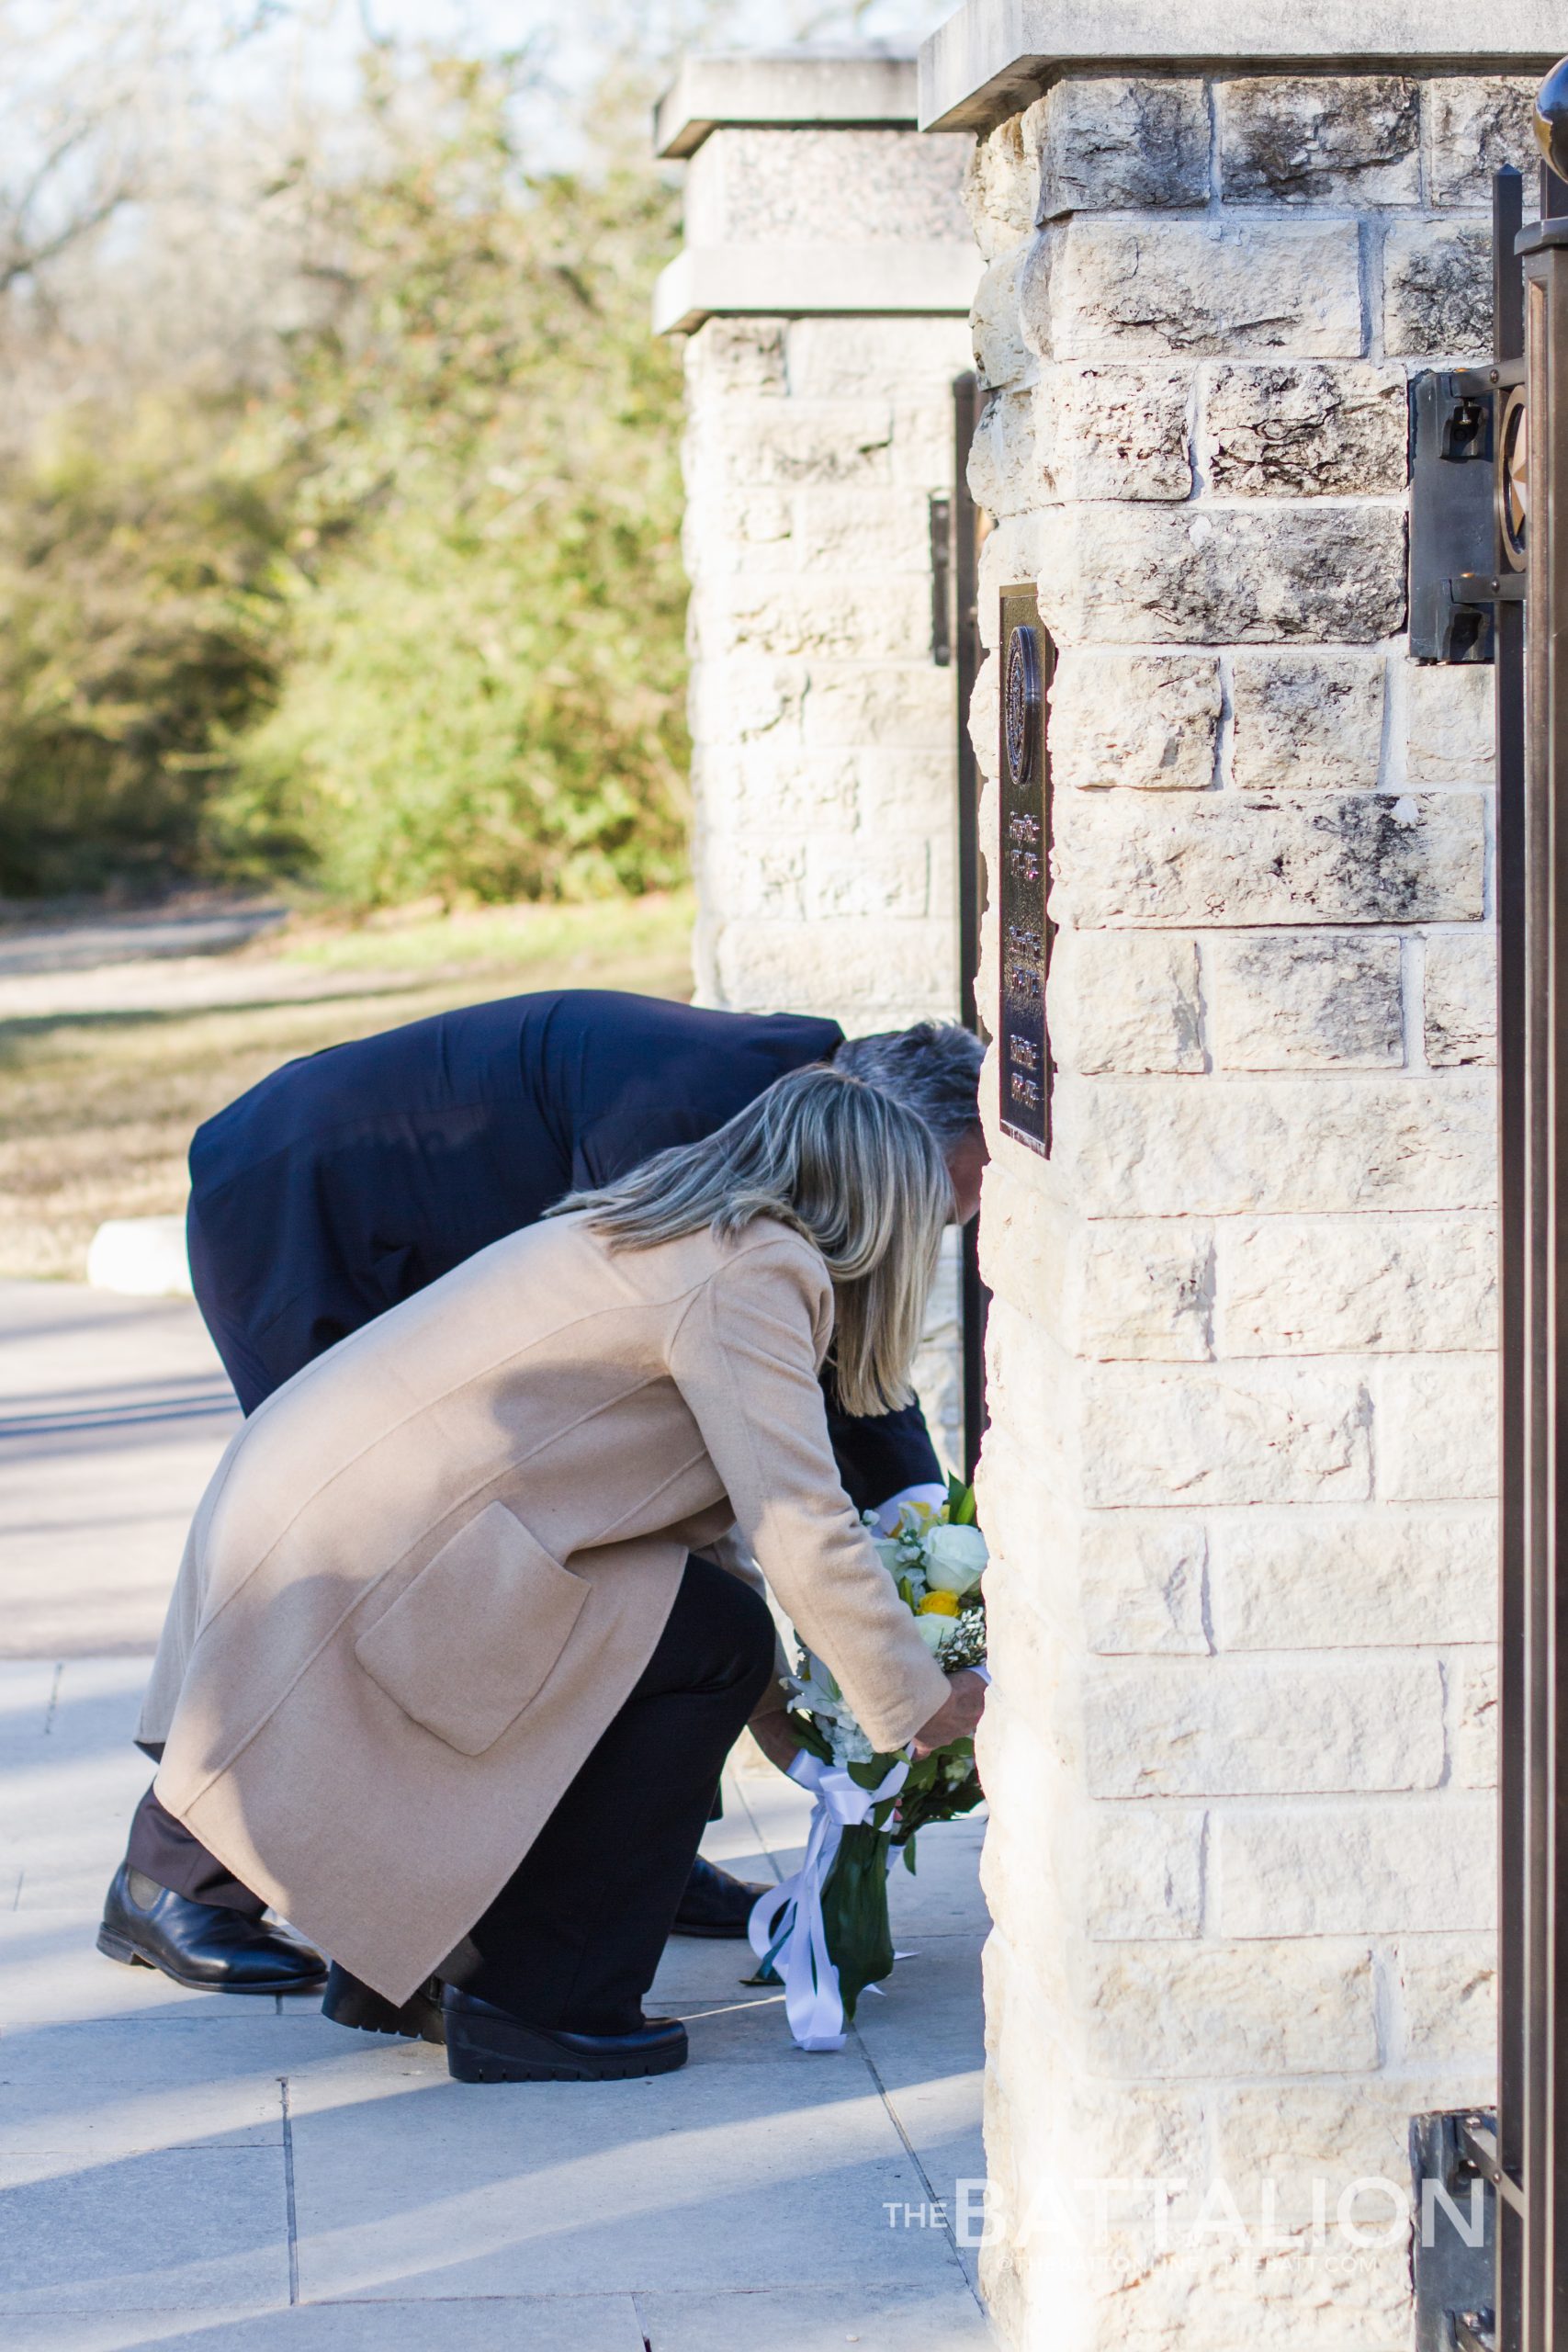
<point x="430" y="1568"/>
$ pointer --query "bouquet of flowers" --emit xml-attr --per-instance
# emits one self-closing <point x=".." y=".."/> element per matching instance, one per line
<point x="825" y="1929"/>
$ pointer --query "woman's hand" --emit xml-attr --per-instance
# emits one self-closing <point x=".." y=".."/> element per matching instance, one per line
<point x="774" y="1737"/>
<point x="957" y="1717"/>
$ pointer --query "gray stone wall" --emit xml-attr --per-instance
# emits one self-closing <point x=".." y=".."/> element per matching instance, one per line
<point x="1240" y="1473"/>
<point x="824" y="733"/>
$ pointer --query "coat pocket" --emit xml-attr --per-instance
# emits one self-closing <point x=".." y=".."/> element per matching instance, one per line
<point x="472" y="1641"/>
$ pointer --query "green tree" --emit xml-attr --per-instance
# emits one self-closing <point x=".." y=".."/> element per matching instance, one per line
<point x="484" y="685"/>
<point x="408" y="618"/>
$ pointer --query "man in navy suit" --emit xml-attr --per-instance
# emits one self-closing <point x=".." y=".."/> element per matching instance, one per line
<point x="344" y="1183"/>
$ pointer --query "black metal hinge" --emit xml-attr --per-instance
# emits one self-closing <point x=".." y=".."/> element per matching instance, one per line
<point x="1454" y="2163"/>
<point x="942" y="581"/>
<point x="1452" y="428"/>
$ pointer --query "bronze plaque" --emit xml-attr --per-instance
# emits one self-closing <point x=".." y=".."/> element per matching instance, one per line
<point x="1024" y="864"/>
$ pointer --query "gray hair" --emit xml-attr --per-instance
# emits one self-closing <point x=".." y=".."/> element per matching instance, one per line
<point x="932" y="1069"/>
<point x="843" y="1164"/>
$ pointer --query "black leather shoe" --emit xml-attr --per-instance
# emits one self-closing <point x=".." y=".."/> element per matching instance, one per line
<point x="349" y="2001"/>
<point x="202" y="1945"/>
<point x="486" y="2045"/>
<point x="715" y="1904"/>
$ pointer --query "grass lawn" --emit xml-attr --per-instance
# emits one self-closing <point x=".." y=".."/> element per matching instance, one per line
<point x="98" y="1105"/>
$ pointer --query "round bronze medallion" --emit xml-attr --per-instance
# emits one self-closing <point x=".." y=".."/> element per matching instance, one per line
<point x="1513" y="478"/>
<point x="1022" y="704"/>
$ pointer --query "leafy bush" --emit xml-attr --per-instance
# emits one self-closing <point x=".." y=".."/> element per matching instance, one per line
<point x="137" y="631"/>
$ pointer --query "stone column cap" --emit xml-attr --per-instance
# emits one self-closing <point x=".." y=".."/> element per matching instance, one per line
<point x="864" y="84"/>
<point x="925" y="280"/>
<point x="994" y="57"/>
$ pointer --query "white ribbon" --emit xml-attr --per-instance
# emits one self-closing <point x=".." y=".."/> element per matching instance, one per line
<point x="799" y="1949"/>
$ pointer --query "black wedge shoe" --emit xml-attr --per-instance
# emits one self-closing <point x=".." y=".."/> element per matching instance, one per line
<point x="348" y="2001"/>
<point x="202" y="1945"/>
<point x="486" y="2045"/>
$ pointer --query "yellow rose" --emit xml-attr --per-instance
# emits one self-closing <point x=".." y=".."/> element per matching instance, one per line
<point x="939" y="1604"/>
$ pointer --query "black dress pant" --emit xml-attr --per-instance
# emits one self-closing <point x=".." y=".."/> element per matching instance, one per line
<point x="165" y="1852"/>
<point x="572" y="1939"/>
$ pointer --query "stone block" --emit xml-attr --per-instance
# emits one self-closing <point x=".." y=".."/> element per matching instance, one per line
<point x="1123" y="144"/>
<point x="1208" y="2008"/>
<point x="922" y="441"/>
<point x="1126" y="1001"/>
<point x="1005" y="468"/>
<point x="1308" y="1579"/>
<point x="748" y="184"/>
<point x="769" y="446"/>
<point x="1460" y="998"/>
<point x="1331" y="1285"/>
<point x="984" y="723"/>
<point x="1474" y="126"/>
<point x="1202" y="1433"/>
<point x="1032" y="265"/>
<point x="1306" y="719"/>
<point x="1145" y="720"/>
<point x="1180" y="1146"/>
<point x="1307" y="139"/>
<point x="1296" y="429"/>
<point x="1002" y="354"/>
<point x="1141" y="1582"/>
<point x="1002" y="186"/>
<point x="1437" y="1425"/>
<point x="741" y="533"/>
<point x="875" y="532"/>
<point x="1292" y="2138"/>
<point x="1117" y="432"/>
<point x="870" y="973"/>
<point x="1148" y="1291"/>
<point x="1215" y="2291"/>
<point x="1306" y="1001"/>
<point x="1126" y="289"/>
<point x="1146" y="1873"/>
<point x="907" y="708"/>
<point x="1475" y="1724"/>
<point x="1446" y="1986"/>
<point x="1260" y="1726"/>
<point x="1363" y="1869"/>
<point x="768" y="880"/>
<point x="1010" y="553"/>
<point x="1229" y="858"/>
<point x="1449" y="728"/>
<point x="858" y="877"/>
<point x="730" y="355"/>
<point x="1226" y="575"/>
<point x="803" y="617"/>
<point x="1437" y="291"/>
<point x="747" y="700"/>
<point x="835" y="358"/>
<point x="1027" y="1240"/>
<point x="788" y="789"/>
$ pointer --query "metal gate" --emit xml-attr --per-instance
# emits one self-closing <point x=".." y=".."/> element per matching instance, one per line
<point x="962" y="530"/>
<point x="1490" y="489"/>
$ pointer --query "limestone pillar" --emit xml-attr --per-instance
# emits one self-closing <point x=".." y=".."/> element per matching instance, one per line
<point x="823" y="295"/>
<point x="1240" y="1474"/>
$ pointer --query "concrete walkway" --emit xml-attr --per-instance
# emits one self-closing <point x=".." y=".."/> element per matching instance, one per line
<point x="184" y="2169"/>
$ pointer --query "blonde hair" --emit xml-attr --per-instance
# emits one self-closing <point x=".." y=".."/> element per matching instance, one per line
<point x="862" y="1179"/>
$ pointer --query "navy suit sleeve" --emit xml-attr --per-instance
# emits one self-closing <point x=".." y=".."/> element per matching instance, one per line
<point x="878" y="1454"/>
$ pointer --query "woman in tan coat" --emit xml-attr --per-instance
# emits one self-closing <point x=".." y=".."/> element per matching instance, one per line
<point x="440" y="1678"/>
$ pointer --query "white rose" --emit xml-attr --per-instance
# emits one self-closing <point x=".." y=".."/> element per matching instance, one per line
<point x="934" y="1631"/>
<point x="955" y="1558"/>
<point x="893" y="1557"/>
